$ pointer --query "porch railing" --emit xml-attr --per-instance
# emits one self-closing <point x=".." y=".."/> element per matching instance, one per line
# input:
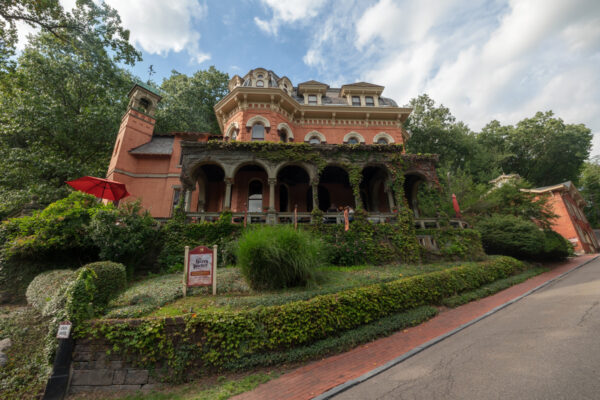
<point x="306" y="217"/>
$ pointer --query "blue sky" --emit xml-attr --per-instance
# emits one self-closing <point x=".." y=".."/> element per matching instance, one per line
<point x="484" y="59"/>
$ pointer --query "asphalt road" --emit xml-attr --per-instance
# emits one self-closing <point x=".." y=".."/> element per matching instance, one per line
<point x="545" y="346"/>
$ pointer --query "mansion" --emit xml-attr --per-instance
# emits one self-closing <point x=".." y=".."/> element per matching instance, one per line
<point x="282" y="148"/>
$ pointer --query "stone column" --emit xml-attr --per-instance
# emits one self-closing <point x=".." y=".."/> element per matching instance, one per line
<point x="272" y="182"/>
<point x="187" y="199"/>
<point x="390" y="195"/>
<point x="315" y="190"/>
<point x="227" y="200"/>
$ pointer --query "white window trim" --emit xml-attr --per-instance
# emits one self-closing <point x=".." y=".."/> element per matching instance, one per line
<point x="383" y="135"/>
<point x="317" y="134"/>
<point x="258" y="119"/>
<point x="290" y="134"/>
<point x="356" y="135"/>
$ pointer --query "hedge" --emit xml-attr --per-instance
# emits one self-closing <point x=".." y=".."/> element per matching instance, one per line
<point x="44" y="290"/>
<point x="214" y="337"/>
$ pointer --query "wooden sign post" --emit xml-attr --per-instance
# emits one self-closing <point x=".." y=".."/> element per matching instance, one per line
<point x="200" y="268"/>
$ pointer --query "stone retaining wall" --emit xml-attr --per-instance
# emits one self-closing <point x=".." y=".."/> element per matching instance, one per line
<point x="92" y="370"/>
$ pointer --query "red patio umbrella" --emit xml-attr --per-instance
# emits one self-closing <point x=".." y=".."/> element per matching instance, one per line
<point x="456" y="207"/>
<point x="101" y="188"/>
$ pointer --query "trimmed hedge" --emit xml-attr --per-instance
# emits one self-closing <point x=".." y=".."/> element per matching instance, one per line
<point x="556" y="247"/>
<point x="511" y="236"/>
<point x="217" y="337"/>
<point x="43" y="291"/>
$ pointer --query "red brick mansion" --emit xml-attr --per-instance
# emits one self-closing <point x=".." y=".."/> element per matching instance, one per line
<point x="282" y="147"/>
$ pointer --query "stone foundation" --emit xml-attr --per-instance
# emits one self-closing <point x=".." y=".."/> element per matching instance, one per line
<point x="93" y="370"/>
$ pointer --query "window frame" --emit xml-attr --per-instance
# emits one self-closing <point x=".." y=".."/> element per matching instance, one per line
<point x="355" y="98"/>
<point x="371" y="103"/>
<point x="254" y="139"/>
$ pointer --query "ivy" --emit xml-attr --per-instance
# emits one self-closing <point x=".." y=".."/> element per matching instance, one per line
<point x="210" y="339"/>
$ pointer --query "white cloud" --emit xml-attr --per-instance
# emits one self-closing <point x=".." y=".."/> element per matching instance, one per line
<point x="492" y="61"/>
<point x="286" y="12"/>
<point x="159" y="27"/>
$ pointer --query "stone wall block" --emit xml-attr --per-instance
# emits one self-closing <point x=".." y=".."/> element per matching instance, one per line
<point x="119" y="377"/>
<point x="96" y="377"/>
<point x="82" y="356"/>
<point x="137" y="376"/>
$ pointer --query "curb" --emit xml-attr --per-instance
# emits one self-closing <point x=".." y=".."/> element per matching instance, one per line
<point x="347" y="385"/>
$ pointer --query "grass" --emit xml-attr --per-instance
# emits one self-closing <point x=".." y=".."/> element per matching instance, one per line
<point x="224" y="388"/>
<point x="25" y="374"/>
<point x="333" y="279"/>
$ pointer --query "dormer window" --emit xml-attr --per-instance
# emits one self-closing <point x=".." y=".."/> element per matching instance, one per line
<point x="258" y="133"/>
<point x="356" y="101"/>
<point x="260" y="84"/>
<point x="369" y="102"/>
<point x="312" y="99"/>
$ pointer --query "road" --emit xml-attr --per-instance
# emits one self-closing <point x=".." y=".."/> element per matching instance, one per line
<point x="545" y="346"/>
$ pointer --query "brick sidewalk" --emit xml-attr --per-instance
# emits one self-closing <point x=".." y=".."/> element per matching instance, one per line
<point x="319" y="376"/>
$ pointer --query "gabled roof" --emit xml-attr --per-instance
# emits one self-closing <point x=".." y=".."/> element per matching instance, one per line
<point x="158" y="146"/>
<point x="147" y="87"/>
<point x="313" y="82"/>
<point x="363" y="84"/>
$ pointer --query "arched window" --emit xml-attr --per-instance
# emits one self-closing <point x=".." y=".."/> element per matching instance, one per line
<point x="255" y="196"/>
<point x="353" y="140"/>
<point x="260" y="84"/>
<point x="314" y="140"/>
<point x="382" y="141"/>
<point x="258" y="132"/>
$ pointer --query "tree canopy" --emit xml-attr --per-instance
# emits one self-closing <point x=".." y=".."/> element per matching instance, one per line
<point x="188" y="101"/>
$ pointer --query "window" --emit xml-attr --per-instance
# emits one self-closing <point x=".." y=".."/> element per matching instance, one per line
<point x="353" y="140"/>
<point x="260" y="84"/>
<point x="369" y="101"/>
<point x="314" y="140"/>
<point x="234" y="134"/>
<point x="255" y="196"/>
<point x="283" y="135"/>
<point x="382" y="141"/>
<point x="312" y="99"/>
<point x="176" y="196"/>
<point x="258" y="132"/>
<point x="259" y="76"/>
<point x="144" y="104"/>
<point x="356" y="101"/>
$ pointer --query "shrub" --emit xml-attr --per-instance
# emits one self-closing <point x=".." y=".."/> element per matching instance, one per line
<point x="273" y="257"/>
<point x="511" y="236"/>
<point x="556" y="247"/>
<point x="456" y="244"/>
<point x="109" y="279"/>
<point x="44" y="290"/>
<point x="226" y="336"/>
<point x="176" y="234"/>
<point x="126" y="234"/>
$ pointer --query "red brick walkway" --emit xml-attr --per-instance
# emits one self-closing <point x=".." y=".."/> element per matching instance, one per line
<point x="319" y="376"/>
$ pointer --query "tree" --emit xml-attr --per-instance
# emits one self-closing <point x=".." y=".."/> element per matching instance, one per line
<point x="509" y="199"/>
<point x="87" y="24"/>
<point x="590" y="190"/>
<point x="434" y="130"/>
<point x="188" y="101"/>
<point x="545" y="151"/>
<point x="61" y="105"/>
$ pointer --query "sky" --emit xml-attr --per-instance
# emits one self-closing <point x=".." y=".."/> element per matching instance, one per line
<point x="483" y="59"/>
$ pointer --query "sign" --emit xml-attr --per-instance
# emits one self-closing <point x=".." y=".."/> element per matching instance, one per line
<point x="64" y="330"/>
<point x="200" y="267"/>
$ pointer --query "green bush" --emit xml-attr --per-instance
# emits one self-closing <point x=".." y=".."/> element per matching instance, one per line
<point x="511" y="236"/>
<point x="273" y="257"/>
<point x="456" y="244"/>
<point x="176" y="234"/>
<point x="43" y="293"/>
<point x="109" y="280"/>
<point x="226" y="336"/>
<point x="556" y="247"/>
<point x="127" y="235"/>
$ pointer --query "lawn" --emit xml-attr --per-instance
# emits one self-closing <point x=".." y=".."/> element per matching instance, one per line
<point x="162" y="295"/>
